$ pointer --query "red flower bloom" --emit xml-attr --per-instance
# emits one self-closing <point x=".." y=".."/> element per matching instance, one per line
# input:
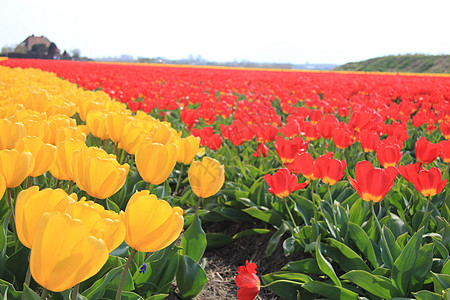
<point x="283" y="183"/>
<point x="134" y="106"/>
<point x="409" y="171"/>
<point x="445" y="129"/>
<point x="304" y="163"/>
<point x="261" y="150"/>
<point x="291" y="129"/>
<point x="445" y="151"/>
<point x="247" y="281"/>
<point x="342" y="138"/>
<point x="330" y="170"/>
<point x="189" y="117"/>
<point x="369" y="140"/>
<point x="429" y="182"/>
<point x="372" y="184"/>
<point x="426" y="152"/>
<point x="388" y="154"/>
<point x="327" y="126"/>
<point x="287" y="149"/>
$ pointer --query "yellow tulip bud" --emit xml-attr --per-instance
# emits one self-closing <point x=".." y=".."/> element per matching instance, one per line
<point x="44" y="154"/>
<point x="62" y="169"/>
<point x="187" y="148"/>
<point x="64" y="253"/>
<point x="206" y="177"/>
<point x="15" y="166"/>
<point x="151" y="224"/>
<point x="31" y="204"/>
<point x="98" y="173"/>
<point x="155" y="162"/>
<point x="9" y="133"/>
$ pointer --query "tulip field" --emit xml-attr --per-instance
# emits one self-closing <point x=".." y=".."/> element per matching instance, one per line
<point x="113" y="177"/>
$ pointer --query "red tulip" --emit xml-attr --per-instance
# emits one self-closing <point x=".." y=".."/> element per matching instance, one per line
<point x="304" y="163"/>
<point x="330" y="170"/>
<point x="372" y="184"/>
<point x="388" y="154"/>
<point x="445" y="151"/>
<point x="283" y="183"/>
<point x="426" y="152"/>
<point x="369" y="140"/>
<point x="189" y="117"/>
<point x="445" y="129"/>
<point x="342" y="138"/>
<point x="262" y="150"/>
<point x="327" y="126"/>
<point x="287" y="149"/>
<point x="247" y="281"/>
<point x="409" y="171"/>
<point x="429" y="182"/>
<point x="291" y="129"/>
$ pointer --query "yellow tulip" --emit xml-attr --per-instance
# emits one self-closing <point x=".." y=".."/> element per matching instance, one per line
<point x="31" y="204"/>
<point x="155" y="162"/>
<point x="64" y="253"/>
<point x="44" y="154"/>
<point x="206" y="177"/>
<point x="187" y="148"/>
<point x="151" y="224"/>
<point x="62" y="169"/>
<point x="9" y="133"/>
<point x="111" y="231"/>
<point x="115" y="122"/>
<point x="15" y="166"/>
<point x="2" y="186"/>
<point x="65" y="133"/>
<point x="98" y="173"/>
<point x="134" y="135"/>
<point x="96" y="122"/>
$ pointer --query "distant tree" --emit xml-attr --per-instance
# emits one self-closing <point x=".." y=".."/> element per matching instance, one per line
<point x="7" y="49"/>
<point x="39" y="49"/>
<point x="76" y="53"/>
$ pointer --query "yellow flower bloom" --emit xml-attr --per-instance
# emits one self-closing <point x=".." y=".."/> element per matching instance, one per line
<point x="9" y="133"/>
<point x="2" y="186"/>
<point x="96" y="122"/>
<point x="31" y="204"/>
<point x="62" y="169"/>
<point x="98" y="173"/>
<point x="15" y="166"/>
<point x="187" y="148"/>
<point x="134" y="135"/>
<point x="115" y="123"/>
<point x="206" y="177"/>
<point x="155" y="162"/>
<point x="64" y="253"/>
<point x="151" y="224"/>
<point x="44" y="154"/>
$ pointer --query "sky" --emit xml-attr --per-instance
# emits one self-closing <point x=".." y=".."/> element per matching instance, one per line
<point x="298" y="32"/>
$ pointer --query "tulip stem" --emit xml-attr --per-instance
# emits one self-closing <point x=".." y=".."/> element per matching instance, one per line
<point x="290" y="214"/>
<point x="338" y="235"/>
<point x="29" y="181"/>
<point x="44" y="294"/>
<point x="28" y="276"/>
<point x="124" y="274"/>
<point x="105" y="144"/>
<point x="75" y="292"/>
<point x="381" y="234"/>
<point x="178" y="182"/>
<point x="198" y="205"/>
<point x="12" y="209"/>
<point x="69" y="189"/>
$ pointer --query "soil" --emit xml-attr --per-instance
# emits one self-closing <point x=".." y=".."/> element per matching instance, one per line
<point x="222" y="264"/>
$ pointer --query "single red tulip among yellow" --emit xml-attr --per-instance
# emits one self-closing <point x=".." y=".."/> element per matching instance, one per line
<point x="151" y="224"/>
<point x="64" y="253"/>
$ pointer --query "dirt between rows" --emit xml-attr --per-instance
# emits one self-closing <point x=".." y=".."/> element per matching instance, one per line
<point x="222" y="264"/>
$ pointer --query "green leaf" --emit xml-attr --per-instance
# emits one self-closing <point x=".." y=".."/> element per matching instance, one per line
<point x="253" y="231"/>
<point x="98" y="288"/>
<point x="286" y="284"/>
<point x="424" y="262"/>
<point x="427" y="295"/>
<point x="325" y="266"/>
<point x="193" y="242"/>
<point x="162" y="266"/>
<point x="440" y="247"/>
<point x="268" y="216"/>
<point x="351" y="259"/>
<point x="389" y="254"/>
<point x="304" y="207"/>
<point x="359" y="211"/>
<point x="3" y="239"/>
<point x="377" y="285"/>
<point x="258" y="192"/>
<point x="29" y="294"/>
<point x="218" y="240"/>
<point x="112" y="206"/>
<point x="441" y="282"/>
<point x="395" y="224"/>
<point x="404" y="265"/>
<point x="275" y="239"/>
<point x="363" y="243"/>
<point x="191" y="278"/>
<point x="446" y="268"/>
<point x="158" y="297"/>
<point x="307" y="265"/>
<point x="17" y="263"/>
<point x="330" y="291"/>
